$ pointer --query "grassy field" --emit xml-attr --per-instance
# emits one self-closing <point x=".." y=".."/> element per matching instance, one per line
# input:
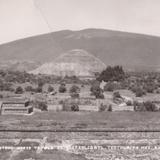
<point x="82" y="120"/>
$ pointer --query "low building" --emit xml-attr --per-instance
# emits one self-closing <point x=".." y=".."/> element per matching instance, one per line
<point x="16" y="106"/>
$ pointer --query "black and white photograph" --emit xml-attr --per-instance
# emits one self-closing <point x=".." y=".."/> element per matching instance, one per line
<point x="79" y="79"/>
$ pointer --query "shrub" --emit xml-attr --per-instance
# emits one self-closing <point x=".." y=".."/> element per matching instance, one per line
<point x="82" y="85"/>
<point x="102" y="107"/>
<point x="145" y="106"/>
<point x="50" y="88"/>
<point x="74" y="91"/>
<point x="97" y="91"/>
<point x="62" y="88"/>
<point x="110" y="108"/>
<point x="74" y="107"/>
<point x="129" y="103"/>
<point x="70" y="106"/>
<point x="139" y="92"/>
<point x="41" y="82"/>
<point x="29" y="89"/>
<point x="109" y="87"/>
<point x="38" y="89"/>
<point x="158" y="91"/>
<point x="1" y="96"/>
<point x="7" y="87"/>
<point x="149" y="88"/>
<point x="150" y="106"/>
<point x="19" y="90"/>
<point x="116" y="95"/>
<point x="138" y="106"/>
<point x="42" y="106"/>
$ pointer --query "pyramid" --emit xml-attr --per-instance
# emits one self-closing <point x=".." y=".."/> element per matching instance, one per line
<point x="76" y="62"/>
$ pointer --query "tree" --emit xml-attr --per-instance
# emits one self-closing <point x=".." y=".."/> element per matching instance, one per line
<point x="96" y="90"/>
<point x="19" y="90"/>
<point x="109" y="87"/>
<point x="74" y="91"/>
<point x="115" y="73"/>
<point x="62" y="88"/>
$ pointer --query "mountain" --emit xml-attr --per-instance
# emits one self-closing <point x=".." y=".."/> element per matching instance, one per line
<point x="73" y="63"/>
<point x="133" y="51"/>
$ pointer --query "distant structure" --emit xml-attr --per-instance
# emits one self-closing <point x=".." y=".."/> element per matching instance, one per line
<point x="76" y="62"/>
<point x="15" y="106"/>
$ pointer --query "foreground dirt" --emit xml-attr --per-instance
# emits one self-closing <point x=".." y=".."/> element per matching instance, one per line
<point x="75" y="145"/>
<point x="80" y="146"/>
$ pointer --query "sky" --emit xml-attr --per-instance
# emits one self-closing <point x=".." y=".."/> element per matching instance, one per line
<point x="25" y="18"/>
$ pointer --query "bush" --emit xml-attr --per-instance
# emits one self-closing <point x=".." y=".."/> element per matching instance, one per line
<point x="116" y="95"/>
<point x="138" y="106"/>
<point x="62" y="88"/>
<point x="70" y="106"/>
<point x="6" y="87"/>
<point x="29" y="89"/>
<point x="139" y="92"/>
<point x="38" y="89"/>
<point x="74" y="107"/>
<point x="102" y="107"/>
<point x="97" y="91"/>
<point x="109" y="87"/>
<point x="150" y="106"/>
<point x="50" y="88"/>
<point x="150" y="89"/>
<point x="19" y="90"/>
<point x="74" y="91"/>
<point x="110" y="108"/>
<point x="129" y="103"/>
<point x="42" y="106"/>
<point x="145" y="106"/>
<point x="158" y="91"/>
<point x="1" y="96"/>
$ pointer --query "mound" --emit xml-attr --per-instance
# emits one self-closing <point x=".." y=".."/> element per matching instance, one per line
<point x="73" y="63"/>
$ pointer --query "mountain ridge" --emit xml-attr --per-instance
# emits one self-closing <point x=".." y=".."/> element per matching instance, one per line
<point x="112" y="47"/>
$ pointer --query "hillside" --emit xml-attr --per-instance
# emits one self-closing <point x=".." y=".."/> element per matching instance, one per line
<point x="16" y="65"/>
<point x="134" y="51"/>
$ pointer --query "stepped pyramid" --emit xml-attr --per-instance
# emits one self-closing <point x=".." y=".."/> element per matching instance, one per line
<point x="73" y="63"/>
